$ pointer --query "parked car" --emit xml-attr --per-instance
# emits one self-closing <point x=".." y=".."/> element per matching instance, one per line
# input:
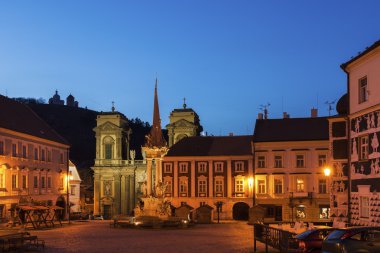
<point x="311" y="240"/>
<point x="351" y="240"/>
<point x="98" y="217"/>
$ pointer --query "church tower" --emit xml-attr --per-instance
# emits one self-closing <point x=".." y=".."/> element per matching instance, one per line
<point x="155" y="149"/>
<point x="184" y="122"/>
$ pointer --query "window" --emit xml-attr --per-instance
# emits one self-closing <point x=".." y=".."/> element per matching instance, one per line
<point x="35" y="154"/>
<point x="183" y="186"/>
<point x="43" y="182"/>
<point x="183" y="168"/>
<point x="261" y="162"/>
<point x="300" y="212"/>
<point x="277" y="186"/>
<point x="363" y="92"/>
<point x="168" y="188"/>
<point x="324" y="212"/>
<point x="218" y="167"/>
<point x="322" y="186"/>
<point x="14" y="182"/>
<point x="322" y="160"/>
<point x="219" y="186"/>
<point x="42" y="154"/>
<point x="168" y="168"/>
<point x="72" y="189"/>
<point x="300" y="185"/>
<point x="49" y="182"/>
<point x="300" y="161"/>
<point x="24" y="181"/>
<point x="261" y="186"/>
<point x="364" y="207"/>
<point x="278" y="161"/>
<point x="202" y="186"/>
<point x="61" y="158"/>
<point x="201" y="167"/>
<point x="239" y="166"/>
<point x="363" y="149"/>
<point x="108" y="151"/>
<point x="24" y="151"/>
<point x="48" y="156"/>
<point x="2" y="184"/>
<point x="35" y="182"/>
<point x="239" y="185"/>
<point x="1" y="148"/>
<point x="14" y="149"/>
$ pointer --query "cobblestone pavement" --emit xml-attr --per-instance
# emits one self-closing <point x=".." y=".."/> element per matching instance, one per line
<point x="98" y="236"/>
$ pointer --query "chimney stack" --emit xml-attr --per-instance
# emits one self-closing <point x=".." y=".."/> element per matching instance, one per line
<point x="314" y="112"/>
<point x="231" y="134"/>
<point x="285" y="115"/>
<point x="260" y="116"/>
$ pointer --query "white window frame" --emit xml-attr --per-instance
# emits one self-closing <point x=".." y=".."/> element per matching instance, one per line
<point x="169" y="182"/>
<point x="322" y="160"/>
<point x="219" y="185"/>
<point x="202" y="167"/>
<point x="300" y="185"/>
<point x="261" y="161"/>
<point x="183" y="185"/>
<point x="14" y="182"/>
<point x="239" y="166"/>
<point x="363" y="90"/>
<point x="219" y="167"/>
<point x="303" y="161"/>
<point x="322" y="186"/>
<point x="183" y="167"/>
<point x="278" y="161"/>
<point x="276" y="186"/>
<point x="168" y="168"/>
<point x="261" y="186"/>
<point x="239" y="185"/>
<point x="202" y="186"/>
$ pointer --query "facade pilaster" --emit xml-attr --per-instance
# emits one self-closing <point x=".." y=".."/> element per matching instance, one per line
<point x="192" y="178"/>
<point x="149" y="176"/>
<point x="229" y="178"/>
<point x="117" y="208"/>
<point x="96" y="193"/>
<point x="123" y="195"/>
<point x="132" y="192"/>
<point x="175" y="183"/>
<point x="210" y="180"/>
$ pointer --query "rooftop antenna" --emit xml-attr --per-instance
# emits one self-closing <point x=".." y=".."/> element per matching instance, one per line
<point x="184" y="103"/>
<point x="264" y="109"/>
<point x="330" y="104"/>
<point x="113" y="106"/>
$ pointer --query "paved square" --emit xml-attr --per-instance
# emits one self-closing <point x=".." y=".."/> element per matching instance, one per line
<point x="98" y="236"/>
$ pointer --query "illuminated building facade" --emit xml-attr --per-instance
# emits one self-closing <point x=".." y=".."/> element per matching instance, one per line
<point x="290" y="155"/>
<point x="33" y="159"/>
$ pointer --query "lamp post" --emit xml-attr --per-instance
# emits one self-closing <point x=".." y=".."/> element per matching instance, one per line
<point x="327" y="172"/>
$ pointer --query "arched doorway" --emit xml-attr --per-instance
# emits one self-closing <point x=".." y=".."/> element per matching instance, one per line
<point x="61" y="202"/>
<point x="240" y="211"/>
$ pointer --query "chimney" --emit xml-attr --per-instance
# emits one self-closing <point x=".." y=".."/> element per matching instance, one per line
<point x="314" y="112"/>
<point x="285" y="115"/>
<point x="231" y="134"/>
<point x="260" y="116"/>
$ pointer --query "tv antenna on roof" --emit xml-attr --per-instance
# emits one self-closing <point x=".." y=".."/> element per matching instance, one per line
<point x="264" y="109"/>
<point x="330" y="104"/>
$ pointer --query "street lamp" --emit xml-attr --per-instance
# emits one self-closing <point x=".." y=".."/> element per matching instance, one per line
<point x="327" y="171"/>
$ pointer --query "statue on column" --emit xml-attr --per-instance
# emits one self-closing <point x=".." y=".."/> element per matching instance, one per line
<point x="132" y="154"/>
<point x="144" y="189"/>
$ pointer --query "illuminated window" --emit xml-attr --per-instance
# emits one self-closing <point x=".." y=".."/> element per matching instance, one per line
<point x="261" y="162"/>
<point x="14" y="150"/>
<point x="2" y="183"/>
<point x="324" y="211"/>
<point x="183" y="168"/>
<point x="363" y="142"/>
<point x="239" y="166"/>
<point x="202" y="167"/>
<point x="42" y="154"/>
<point x="322" y="186"/>
<point x="239" y="185"/>
<point x="202" y="186"/>
<point x="364" y="207"/>
<point x="219" y="167"/>
<point x="300" y="185"/>
<point x="363" y="91"/>
<point x="35" y="154"/>
<point x="219" y="185"/>
<point x="322" y="160"/>
<point x="300" y="161"/>
<point x="108" y="143"/>
<point x="183" y="186"/>
<point x="277" y="186"/>
<point x="278" y="161"/>
<point x="261" y="186"/>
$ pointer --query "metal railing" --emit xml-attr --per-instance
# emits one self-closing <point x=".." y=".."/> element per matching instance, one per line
<point x="279" y="239"/>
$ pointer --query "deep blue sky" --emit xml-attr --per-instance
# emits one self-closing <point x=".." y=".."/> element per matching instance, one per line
<point x="226" y="57"/>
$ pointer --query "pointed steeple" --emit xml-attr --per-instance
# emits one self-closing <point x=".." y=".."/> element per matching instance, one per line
<point x="155" y="138"/>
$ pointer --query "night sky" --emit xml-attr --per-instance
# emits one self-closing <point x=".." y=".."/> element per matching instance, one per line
<point x="226" y="57"/>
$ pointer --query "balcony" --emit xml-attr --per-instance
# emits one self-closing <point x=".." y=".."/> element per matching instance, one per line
<point x="301" y="195"/>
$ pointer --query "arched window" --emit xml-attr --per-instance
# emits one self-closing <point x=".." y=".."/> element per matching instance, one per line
<point x="108" y="144"/>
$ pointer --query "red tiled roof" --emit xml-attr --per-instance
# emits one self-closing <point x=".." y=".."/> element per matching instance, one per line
<point x="212" y="146"/>
<point x="20" y="118"/>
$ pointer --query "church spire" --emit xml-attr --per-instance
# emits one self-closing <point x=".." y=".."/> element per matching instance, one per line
<point x="155" y="138"/>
